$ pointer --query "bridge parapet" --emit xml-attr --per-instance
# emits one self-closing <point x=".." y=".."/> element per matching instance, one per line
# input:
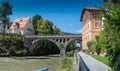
<point x="53" y="36"/>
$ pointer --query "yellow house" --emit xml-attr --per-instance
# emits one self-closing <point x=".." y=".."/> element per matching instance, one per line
<point x="91" y="25"/>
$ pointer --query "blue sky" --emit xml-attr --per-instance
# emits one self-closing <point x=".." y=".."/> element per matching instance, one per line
<point x="65" y="14"/>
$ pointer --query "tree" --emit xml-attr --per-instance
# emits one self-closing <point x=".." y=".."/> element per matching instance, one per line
<point x="57" y="30"/>
<point x="45" y="27"/>
<point x="98" y="45"/>
<point x="92" y="46"/>
<point x="111" y="34"/>
<point x="35" y="20"/>
<point x="6" y="10"/>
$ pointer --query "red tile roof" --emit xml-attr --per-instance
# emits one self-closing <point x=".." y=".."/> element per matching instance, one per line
<point x="20" y="22"/>
<point x="84" y="9"/>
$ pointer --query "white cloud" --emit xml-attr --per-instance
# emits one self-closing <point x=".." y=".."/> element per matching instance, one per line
<point x="79" y="31"/>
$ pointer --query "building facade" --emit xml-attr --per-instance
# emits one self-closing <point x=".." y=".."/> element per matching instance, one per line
<point x="22" y="26"/>
<point x="91" y="25"/>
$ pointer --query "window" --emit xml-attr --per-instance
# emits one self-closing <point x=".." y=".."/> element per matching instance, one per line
<point x="95" y="14"/>
<point x="86" y="18"/>
<point x="14" y="28"/>
<point x="88" y="37"/>
<point x="96" y="24"/>
<point x="88" y="26"/>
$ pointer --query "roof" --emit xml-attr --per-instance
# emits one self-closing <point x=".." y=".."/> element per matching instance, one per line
<point x="84" y="9"/>
<point x="20" y="22"/>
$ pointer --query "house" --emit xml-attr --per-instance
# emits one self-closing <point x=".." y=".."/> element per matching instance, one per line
<point x="91" y="25"/>
<point x="22" y="26"/>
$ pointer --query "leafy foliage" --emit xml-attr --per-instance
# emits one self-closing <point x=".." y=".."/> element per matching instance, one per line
<point x="57" y="30"/>
<point x="91" y="45"/>
<point x="110" y="36"/>
<point x="45" y="27"/>
<point x="6" y="10"/>
<point x="66" y="63"/>
<point x="35" y="20"/>
<point x="12" y="46"/>
<point x="70" y="54"/>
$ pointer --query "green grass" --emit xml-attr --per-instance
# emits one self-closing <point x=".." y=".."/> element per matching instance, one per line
<point x="29" y="63"/>
<point x="101" y="58"/>
<point x="66" y="64"/>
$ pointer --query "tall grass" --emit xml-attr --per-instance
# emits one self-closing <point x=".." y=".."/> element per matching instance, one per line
<point x="66" y="64"/>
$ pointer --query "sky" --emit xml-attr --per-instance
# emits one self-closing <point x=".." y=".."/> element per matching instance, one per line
<point x="65" y="14"/>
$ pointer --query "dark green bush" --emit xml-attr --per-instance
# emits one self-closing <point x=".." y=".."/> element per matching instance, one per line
<point x="12" y="45"/>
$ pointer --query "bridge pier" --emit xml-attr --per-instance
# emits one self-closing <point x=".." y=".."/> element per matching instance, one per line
<point x="62" y="52"/>
<point x="62" y="49"/>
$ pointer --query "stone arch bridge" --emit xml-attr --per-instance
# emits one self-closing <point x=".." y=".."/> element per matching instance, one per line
<point x="60" y="40"/>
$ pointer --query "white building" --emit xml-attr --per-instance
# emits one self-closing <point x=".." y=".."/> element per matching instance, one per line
<point x="22" y="26"/>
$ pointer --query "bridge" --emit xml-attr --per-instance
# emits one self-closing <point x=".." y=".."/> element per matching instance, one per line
<point x="60" y="40"/>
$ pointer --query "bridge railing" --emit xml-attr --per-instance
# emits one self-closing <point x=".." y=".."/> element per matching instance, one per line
<point x="82" y="65"/>
<point x="48" y="35"/>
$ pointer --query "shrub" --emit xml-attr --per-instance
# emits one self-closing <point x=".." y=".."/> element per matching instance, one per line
<point x="12" y="45"/>
<point x="69" y="54"/>
<point x="91" y="45"/>
<point x="66" y="64"/>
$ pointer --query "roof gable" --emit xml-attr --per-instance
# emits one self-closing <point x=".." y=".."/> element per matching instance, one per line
<point x="88" y="9"/>
<point x="21" y="22"/>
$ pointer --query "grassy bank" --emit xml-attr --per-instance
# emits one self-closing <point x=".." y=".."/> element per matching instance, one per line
<point x="101" y="58"/>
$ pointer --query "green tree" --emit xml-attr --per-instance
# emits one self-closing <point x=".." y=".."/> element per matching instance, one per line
<point x="92" y="46"/>
<point x="57" y="30"/>
<point x="98" y="45"/>
<point x="111" y="34"/>
<point x="6" y="10"/>
<point x="45" y="27"/>
<point x="35" y="20"/>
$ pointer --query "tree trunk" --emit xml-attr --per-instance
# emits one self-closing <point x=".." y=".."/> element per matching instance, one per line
<point x="6" y="28"/>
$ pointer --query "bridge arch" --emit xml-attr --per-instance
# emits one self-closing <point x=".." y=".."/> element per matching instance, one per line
<point x="46" y="42"/>
<point x="37" y="40"/>
<point x="73" y="47"/>
<point x="71" y="41"/>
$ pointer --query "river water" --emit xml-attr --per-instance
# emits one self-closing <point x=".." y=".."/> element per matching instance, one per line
<point x="29" y="63"/>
